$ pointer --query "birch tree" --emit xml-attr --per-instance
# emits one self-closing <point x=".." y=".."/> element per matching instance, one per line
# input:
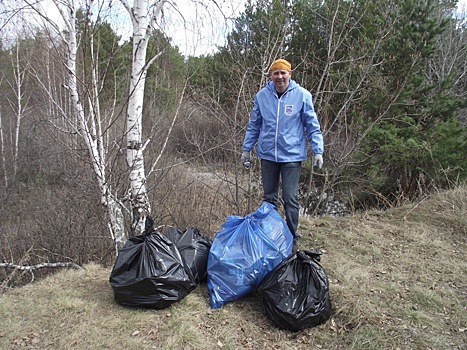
<point x="89" y="126"/>
<point x="89" y="122"/>
<point x="20" y="107"/>
<point x="143" y="16"/>
<point x="2" y="153"/>
<point x="17" y="102"/>
<point x="89" y="118"/>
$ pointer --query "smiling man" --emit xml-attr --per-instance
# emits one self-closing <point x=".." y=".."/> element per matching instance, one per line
<point x="282" y="119"/>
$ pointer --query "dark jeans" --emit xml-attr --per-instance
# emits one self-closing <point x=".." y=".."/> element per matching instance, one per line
<point x="290" y="175"/>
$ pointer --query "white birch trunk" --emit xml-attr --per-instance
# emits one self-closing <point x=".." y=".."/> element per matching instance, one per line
<point x="142" y="15"/>
<point x="19" y="78"/>
<point x="2" y="148"/>
<point x="92" y="139"/>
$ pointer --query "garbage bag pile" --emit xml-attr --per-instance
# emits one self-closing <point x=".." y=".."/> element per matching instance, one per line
<point x="244" y="251"/>
<point x="296" y="293"/>
<point x="153" y="271"/>
<point x="251" y="253"/>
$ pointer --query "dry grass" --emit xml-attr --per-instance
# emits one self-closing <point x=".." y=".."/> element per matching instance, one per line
<point x="397" y="281"/>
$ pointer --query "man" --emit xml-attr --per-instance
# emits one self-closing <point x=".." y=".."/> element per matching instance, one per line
<point x="282" y="119"/>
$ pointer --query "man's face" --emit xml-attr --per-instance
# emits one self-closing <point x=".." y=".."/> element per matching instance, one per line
<point x="281" y="78"/>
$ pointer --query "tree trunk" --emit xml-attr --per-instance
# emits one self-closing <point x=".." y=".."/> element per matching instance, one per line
<point x="141" y="18"/>
<point x="91" y="140"/>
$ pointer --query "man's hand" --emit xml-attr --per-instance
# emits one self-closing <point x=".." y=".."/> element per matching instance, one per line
<point x="246" y="159"/>
<point x="318" y="163"/>
<point x="246" y="156"/>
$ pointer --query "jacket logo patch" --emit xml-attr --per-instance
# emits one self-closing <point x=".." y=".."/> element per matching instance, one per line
<point x="288" y="110"/>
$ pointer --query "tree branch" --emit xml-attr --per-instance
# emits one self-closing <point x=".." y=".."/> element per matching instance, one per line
<point x="41" y="265"/>
<point x="31" y="268"/>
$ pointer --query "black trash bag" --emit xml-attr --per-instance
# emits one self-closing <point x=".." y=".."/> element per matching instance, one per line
<point x="194" y="248"/>
<point x="150" y="272"/>
<point x="296" y="293"/>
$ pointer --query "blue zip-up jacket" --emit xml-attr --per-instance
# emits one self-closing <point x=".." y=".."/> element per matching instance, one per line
<point x="282" y="125"/>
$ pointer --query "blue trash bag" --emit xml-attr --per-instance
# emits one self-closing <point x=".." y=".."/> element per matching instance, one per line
<point x="244" y="251"/>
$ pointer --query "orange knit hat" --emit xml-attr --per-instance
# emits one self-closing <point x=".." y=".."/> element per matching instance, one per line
<point x="280" y="64"/>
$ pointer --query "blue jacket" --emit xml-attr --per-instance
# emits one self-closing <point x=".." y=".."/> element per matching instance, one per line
<point x="281" y="126"/>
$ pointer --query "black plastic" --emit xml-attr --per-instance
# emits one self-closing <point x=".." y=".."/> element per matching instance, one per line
<point x="194" y="248"/>
<point x="150" y="272"/>
<point x="296" y="293"/>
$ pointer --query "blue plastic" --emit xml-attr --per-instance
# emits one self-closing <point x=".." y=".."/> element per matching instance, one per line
<point x="244" y="251"/>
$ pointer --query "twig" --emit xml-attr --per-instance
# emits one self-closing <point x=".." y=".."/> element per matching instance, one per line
<point x="415" y="206"/>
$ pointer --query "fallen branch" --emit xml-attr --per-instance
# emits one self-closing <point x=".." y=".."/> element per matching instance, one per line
<point x="41" y="265"/>
<point x="31" y="268"/>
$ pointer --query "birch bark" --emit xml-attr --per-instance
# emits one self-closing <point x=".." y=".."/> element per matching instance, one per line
<point x="2" y="151"/>
<point x="20" y="109"/>
<point x="142" y="14"/>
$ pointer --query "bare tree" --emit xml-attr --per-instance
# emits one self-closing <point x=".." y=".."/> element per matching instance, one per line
<point x="17" y="101"/>
<point x="90" y="119"/>
<point x="449" y="60"/>
<point x="143" y="16"/>
<point x="90" y="123"/>
<point x="19" y="105"/>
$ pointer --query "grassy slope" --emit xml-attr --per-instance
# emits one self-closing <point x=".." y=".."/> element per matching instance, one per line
<point x="397" y="281"/>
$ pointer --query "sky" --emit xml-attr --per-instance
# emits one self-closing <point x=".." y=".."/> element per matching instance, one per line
<point x="194" y="27"/>
<point x="204" y="28"/>
<point x="197" y="29"/>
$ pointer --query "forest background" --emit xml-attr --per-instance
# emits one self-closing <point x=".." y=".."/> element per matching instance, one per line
<point x="388" y="81"/>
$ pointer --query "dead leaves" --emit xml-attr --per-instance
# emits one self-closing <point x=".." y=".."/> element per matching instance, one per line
<point x="28" y="340"/>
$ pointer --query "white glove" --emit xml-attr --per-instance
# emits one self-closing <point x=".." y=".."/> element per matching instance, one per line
<point x="246" y="156"/>
<point x="318" y="163"/>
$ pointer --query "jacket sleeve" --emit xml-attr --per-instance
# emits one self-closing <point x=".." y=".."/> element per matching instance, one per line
<point x="253" y="128"/>
<point x="312" y="126"/>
